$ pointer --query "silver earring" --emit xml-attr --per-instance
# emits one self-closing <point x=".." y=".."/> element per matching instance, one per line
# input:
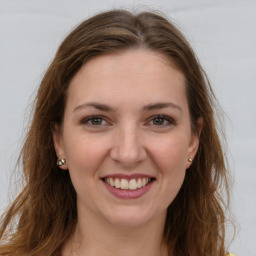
<point x="61" y="161"/>
<point x="190" y="160"/>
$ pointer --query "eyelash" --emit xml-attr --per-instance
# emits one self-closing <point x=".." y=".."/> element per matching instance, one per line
<point x="164" y="118"/>
<point x="170" y="121"/>
<point x="91" y="118"/>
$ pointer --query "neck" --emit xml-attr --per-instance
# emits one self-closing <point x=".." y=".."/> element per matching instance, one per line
<point x="94" y="236"/>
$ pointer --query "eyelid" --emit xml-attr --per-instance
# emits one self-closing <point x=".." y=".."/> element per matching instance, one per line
<point x="170" y="120"/>
<point x="86" y="120"/>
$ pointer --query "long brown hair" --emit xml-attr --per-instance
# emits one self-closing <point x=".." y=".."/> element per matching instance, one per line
<point x="44" y="214"/>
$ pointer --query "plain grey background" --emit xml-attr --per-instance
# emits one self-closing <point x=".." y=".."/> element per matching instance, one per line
<point x="223" y="35"/>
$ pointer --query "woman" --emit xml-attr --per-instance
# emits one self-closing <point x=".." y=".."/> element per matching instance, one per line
<point x="128" y="113"/>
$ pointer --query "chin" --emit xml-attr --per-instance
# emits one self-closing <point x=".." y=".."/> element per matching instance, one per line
<point x="130" y="217"/>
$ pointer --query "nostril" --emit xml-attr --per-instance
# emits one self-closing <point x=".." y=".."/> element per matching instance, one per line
<point x="128" y="150"/>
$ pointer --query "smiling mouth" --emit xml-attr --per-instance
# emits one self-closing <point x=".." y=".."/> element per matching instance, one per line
<point x="125" y="184"/>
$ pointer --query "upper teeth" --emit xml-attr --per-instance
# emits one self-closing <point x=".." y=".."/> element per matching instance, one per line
<point x="127" y="184"/>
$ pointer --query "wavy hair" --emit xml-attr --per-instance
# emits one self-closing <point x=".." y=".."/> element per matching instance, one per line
<point x="44" y="214"/>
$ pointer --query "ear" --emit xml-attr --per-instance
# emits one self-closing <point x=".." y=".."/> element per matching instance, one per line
<point x="58" y="144"/>
<point x="194" y="142"/>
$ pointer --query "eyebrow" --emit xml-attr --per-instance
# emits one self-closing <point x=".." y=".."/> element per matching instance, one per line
<point x="96" y="105"/>
<point x="152" y="106"/>
<point x="161" y="105"/>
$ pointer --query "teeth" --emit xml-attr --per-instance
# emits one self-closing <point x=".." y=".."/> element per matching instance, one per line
<point x="112" y="183"/>
<point x="124" y="184"/>
<point x="133" y="184"/>
<point x="117" y="183"/>
<point x="139" y="183"/>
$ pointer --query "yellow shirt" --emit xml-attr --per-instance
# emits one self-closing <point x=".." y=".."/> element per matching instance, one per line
<point x="230" y="254"/>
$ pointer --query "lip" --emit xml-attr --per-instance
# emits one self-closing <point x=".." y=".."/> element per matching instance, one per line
<point x="128" y="177"/>
<point x="125" y="193"/>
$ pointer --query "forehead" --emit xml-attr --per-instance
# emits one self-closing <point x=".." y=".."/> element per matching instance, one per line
<point x="143" y="60"/>
<point x="136" y="74"/>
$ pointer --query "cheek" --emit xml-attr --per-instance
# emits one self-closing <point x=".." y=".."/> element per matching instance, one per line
<point x="84" y="153"/>
<point x="170" y="157"/>
<point x="170" y="152"/>
<point x="84" y="156"/>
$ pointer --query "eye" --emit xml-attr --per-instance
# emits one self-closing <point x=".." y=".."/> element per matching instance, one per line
<point x="161" y="120"/>
<point x="94" y="121"/>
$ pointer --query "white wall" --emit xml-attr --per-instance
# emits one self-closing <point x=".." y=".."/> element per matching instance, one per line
<point x="223" y="34"/>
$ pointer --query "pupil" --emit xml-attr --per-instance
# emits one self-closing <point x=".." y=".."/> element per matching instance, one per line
<point x="97" y="121"/>
<point x="158" y="121"/>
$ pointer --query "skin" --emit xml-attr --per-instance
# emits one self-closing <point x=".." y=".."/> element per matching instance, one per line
<point x="129" y="139"/>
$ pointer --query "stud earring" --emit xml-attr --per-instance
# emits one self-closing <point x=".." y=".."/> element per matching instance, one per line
<point x="190" y="160"/>
<point x="61" y="161"/>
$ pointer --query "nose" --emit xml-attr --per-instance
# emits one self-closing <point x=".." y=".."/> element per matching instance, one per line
<point x="128" y="149"/>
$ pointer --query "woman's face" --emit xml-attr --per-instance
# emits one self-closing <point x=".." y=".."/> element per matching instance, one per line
<point x="126" y="136"/>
